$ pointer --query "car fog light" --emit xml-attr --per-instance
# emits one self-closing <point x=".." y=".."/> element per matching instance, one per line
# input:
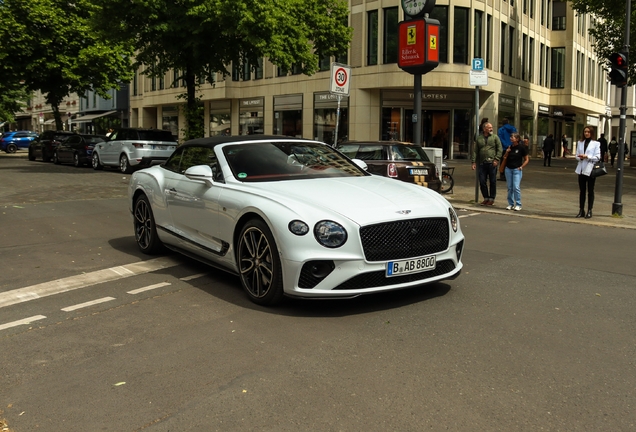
<point x="330" y="234"/>
<point x="299" y="228"/>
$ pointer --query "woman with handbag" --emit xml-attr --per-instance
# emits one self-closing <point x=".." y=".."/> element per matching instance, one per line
<point x="588" y="152"/>
<point x="515" y="159"/>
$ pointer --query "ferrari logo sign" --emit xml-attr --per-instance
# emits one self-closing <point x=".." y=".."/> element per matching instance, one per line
<point x="410" y="35"/>
<point x="433" y="42"/>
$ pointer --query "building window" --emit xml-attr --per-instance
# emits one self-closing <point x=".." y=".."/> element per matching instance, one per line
<point x="324" y="63"/>
<point x="220" y="116"/>
<point x="524" y="56"/>
<point x="558" y="68"/>
<point x="251" y="120"/>
<point x="489" y="41"/>
<point x="162" y="83"/>
<point x="288" y="115"/>
<point x="543" y="12"/>
<point x="135" y="84"/>
<point x="372" y="37"/>
<point x="390" y="35"/>
<point x="236" y="72"/>
<point x="478" y="32"/>
<point x="530" y="59"/>
<point x="460" y="40"/>
<point x="502" y="43"/>
<point x="511" y="50"/>
<point x="558" y="15"/>
<point x="153" y="83"/>
<point x="247" y="72"/>
<point x="258" y="71"/>
<point x="541" y="49"/>
<point x="440" y="13"/>
<point x="547" y="66"/>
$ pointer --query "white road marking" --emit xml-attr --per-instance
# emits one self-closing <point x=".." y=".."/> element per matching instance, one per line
<point x="468" y="215"/>
<point x="149" y="287"/>
<point x="87" y="304"/>
<point x="45" y="289"/>
<point x="25" y="321"/>
<point x="196" y="276"/>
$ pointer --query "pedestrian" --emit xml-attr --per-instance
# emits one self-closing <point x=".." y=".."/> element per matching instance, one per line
<point x="626" y="152"/>
<point x="564" y="143"/>
<point x="485" y="157"/>
<point x="516" y="158"/>
<point x="526" y="141"/>
<point x="548" y="148"/>
<point x="504" y="133"/>
<point x="588" y="151"/>
<point x="613" y="149"/>
<point x="110" y="132"/>
<point x="603" y="142"/>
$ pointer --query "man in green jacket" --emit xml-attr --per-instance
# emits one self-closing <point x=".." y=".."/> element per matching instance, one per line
<point x="486" y="157"/>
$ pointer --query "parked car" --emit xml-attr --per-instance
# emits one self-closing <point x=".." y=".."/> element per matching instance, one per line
<point x="134" y="148"/>
<point x="44" y="144"/>
<point x="400" y="160"/>
<point x="12" y="141"/>
<point x="77" y="149"/>
<point x="294" y="217"/>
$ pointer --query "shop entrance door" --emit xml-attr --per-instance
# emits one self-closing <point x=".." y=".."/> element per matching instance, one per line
<point x="435" y="129"/>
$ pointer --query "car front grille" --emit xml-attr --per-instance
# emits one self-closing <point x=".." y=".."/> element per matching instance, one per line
<point x="404" y="239"/>
<point x="378" y="279"/>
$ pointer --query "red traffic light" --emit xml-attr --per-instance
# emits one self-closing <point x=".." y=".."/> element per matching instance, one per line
<point x="619" y="70"/>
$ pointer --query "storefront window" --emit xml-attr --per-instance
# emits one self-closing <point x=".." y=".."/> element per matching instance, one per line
<point x="220" y="118"/>
<point x="325" y="115"/>
<point x="462" y="120"/>
<point x="251" y="120"/>
<point x="391" y="121"/>
<point x="170" y="120"/>
<point x="288" y="115"/>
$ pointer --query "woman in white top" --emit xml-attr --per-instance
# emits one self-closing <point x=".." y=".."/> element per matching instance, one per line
<point x="588" y="151"/>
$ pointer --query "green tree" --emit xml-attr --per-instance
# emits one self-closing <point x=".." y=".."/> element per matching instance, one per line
<point x="202" y="37"/>
<point x="609" y="31"/>
<point x="51" y="46"/>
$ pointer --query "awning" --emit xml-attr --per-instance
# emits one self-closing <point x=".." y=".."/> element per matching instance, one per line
<point x="49" y="121"/>
<point x="91" y="117"/>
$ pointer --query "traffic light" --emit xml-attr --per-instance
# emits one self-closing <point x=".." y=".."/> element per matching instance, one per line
<point x="618" y="72"/>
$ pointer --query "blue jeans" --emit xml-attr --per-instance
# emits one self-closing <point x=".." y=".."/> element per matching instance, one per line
<point x="488" y="171"/>
<point x="513" y="178"/>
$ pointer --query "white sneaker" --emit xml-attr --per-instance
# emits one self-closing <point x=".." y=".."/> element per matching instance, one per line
<point x="509" y="208"/>
<point x="517" y="208"/>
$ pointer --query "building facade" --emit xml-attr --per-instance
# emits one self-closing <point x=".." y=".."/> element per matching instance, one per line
<point x="543" y="75"/>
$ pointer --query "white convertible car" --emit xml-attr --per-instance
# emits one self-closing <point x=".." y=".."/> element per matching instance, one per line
<point x="294" y="217"/>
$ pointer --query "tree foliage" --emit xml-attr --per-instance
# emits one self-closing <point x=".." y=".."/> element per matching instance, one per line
<point x="202" y="37"/>
<point x="51" y="46"/>
<point x="609" y="31"/>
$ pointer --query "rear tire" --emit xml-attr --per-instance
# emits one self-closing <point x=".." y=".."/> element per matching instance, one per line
<point x="447" y="183"/>
<point x="124" y="165"/>
<point x="12" y="148"/>
<point x="145" y="228"/>
<point x="76" y="160"/>
<point x="259" y="264"/>
<point x="95" y="162"/>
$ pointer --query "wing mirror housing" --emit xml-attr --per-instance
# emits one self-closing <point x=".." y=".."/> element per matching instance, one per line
<point x="362" y="164"/>
<point x="201" y="173"/>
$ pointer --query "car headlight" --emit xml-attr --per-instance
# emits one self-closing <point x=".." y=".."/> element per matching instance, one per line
<point x="330" y="234"/>
<point x="453" y="219"/>
<point x="297" y="227"/>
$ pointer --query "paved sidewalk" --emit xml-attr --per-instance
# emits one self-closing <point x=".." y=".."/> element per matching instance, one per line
<point x="551" y="193"/>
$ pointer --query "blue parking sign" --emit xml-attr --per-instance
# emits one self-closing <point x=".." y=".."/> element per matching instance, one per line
<point x="478" y="64"/>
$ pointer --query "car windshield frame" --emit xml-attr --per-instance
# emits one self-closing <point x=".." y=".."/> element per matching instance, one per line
<point x="288" y="160"/>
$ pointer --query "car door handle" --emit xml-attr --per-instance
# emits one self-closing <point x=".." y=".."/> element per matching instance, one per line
<point x="171" y="191"/>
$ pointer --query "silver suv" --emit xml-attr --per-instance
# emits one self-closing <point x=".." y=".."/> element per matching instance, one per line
<point x="134" y="148"/>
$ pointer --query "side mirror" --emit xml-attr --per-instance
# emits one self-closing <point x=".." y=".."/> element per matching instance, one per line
<point x="200" y="173"/>
<point x="362" y="164"/>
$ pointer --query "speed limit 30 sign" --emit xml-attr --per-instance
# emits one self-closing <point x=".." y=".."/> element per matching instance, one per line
<point x="340" y="79"/>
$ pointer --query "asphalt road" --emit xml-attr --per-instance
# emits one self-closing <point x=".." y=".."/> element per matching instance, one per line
<point x="537" y="333"/>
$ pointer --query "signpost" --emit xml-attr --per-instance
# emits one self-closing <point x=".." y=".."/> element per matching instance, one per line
<point x="478" y="76"/>
<point x="340" y="83"/>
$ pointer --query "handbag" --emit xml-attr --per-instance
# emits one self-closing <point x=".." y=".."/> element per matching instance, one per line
<point x="598" y="170"/>
<point x="502" y="165"/>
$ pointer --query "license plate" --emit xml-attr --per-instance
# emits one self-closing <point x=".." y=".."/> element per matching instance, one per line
<point x="415" y="265"/>
<point x="418" y="171"/>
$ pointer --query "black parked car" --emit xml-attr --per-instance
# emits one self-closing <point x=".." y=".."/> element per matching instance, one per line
<point x="77" y="149"/>
<point x="44" y="145"/>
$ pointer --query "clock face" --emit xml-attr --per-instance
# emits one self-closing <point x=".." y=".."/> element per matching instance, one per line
<point x="416" y="8"/>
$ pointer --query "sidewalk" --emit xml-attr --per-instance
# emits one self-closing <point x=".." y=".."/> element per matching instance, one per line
<point x="550" y="193"/>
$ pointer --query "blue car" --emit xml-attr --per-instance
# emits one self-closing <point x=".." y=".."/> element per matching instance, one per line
<point x="12" y="141"/>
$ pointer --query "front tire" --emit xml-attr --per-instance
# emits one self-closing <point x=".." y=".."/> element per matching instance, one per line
<point x="124" y="165"/>
<point x="12" y="148"/>
<point x="145" y="228"/>
<point x="259" y="264"/>
<point x="447" y="183"/>
<point x="95" y="162"/>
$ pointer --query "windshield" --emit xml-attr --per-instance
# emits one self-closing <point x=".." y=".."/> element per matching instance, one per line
<point x="156" y="135"/>
<point x="279" y="160"/>
<point x="392" y="152"/>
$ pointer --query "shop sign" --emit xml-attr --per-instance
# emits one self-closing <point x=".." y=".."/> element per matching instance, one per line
<point x="557" y="113"/>
<point x="248" y="103"/>
<point x="526" y="105"/>
<point x="544" y="109"/>
<point x="504" y="100"/>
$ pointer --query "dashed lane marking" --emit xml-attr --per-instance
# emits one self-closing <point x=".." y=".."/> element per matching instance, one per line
<point x="196" y="276"/>
<point x="468" y="215"/>
<point x="149" y="287"/>
<point x="25" y="321"/>
<point x="46" y="289"/>
<point x="87" y="304"/>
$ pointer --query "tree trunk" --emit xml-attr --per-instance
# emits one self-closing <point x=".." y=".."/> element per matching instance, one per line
<point x="194" y="110"/>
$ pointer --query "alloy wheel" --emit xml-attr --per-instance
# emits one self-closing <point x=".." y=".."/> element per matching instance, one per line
<point x="256" y="262"/>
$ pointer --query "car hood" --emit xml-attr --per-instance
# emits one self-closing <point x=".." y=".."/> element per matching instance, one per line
<point x="364" y="200"/>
